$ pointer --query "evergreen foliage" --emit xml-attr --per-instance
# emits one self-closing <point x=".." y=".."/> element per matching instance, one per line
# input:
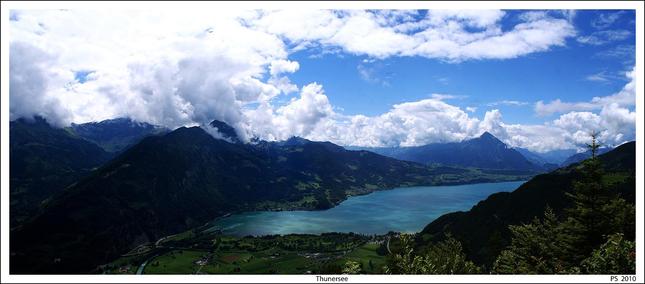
<point x="616" y="256"/>
<point x="590" y="240"/>
<point x="352" y="267"/>
<point x="541" y="247"/>
<point x="445" y="257"/>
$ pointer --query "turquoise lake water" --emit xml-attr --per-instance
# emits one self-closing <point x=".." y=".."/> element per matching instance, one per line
<point x="406" y="209"/>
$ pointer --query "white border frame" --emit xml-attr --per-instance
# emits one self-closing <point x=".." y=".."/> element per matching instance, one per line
<point x="4" y="99"/>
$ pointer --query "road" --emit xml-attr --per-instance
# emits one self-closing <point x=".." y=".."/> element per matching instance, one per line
<point x="143" y="266"/>
<point x="388" y="245"/>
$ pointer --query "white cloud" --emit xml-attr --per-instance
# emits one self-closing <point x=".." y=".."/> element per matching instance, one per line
<point x="598" y="77"/>
<point x="604" y="37"/>
<point x="233" y="66"/>
<point x="442" y="97"/>
<point x="372" y="74"/>
<point x="406" y="124"/>
<point x="361" y="34"/>
<point x="557" y="106"/>
<point x="29" y="81"/>
<point x="452" y="42"/>
<point x="493" y="124"/>
<point x="615" y="125"/>
<point x="210" y="64"/>
<point x="625" y="97"/>
<point x="619" y="124"/>
<point x="283" y="66"/>
<point x="575" y="121"/>
<point x="472" y="18"/>
<point x="452" y="35"/>
<point x="508" y="103"/>
<point x="606" y="19"/>
<point x="538" y="137"/>
<point x="198" y="67"/>
<point x="301" y="115"/>
<point x="433" y="120"/>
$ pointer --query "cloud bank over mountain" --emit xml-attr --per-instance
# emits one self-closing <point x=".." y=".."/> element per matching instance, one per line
<point x="176" y="69"/>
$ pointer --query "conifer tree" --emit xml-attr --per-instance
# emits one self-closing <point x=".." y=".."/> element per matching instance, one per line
<point x="540" y="247"/>
<point x="445" y="257"/>
<point x="352" y="267"/>
<point x="616" y="256"/>
<point x="595" y="206"/>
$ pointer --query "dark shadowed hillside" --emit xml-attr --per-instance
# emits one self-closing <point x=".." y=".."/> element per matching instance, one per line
<point x="167" y="184"/>
<point x="483" y="230"/>
<point x="43" y="161"/>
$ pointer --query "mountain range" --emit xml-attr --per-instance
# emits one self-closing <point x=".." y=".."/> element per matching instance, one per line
<point x="485" y="151"/>
<point x="115" y="135"/>
<point x="579" y="157"/>
<point x="555" y="157"/>
<point x="43" y="161"/>
<point x="98" y="190"/>
<point x="167" y="183"/>
<point x="46" y="159"/>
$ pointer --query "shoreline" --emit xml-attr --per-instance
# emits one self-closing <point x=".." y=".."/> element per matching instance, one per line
<point x="213" y="226"/>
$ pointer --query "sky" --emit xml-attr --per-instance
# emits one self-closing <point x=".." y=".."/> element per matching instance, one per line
<point x="537" y="79"/>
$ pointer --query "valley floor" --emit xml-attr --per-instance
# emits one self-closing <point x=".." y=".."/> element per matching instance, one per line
<point x="203" y="252"/>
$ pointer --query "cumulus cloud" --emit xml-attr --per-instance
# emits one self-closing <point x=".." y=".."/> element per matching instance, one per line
<point x="302" y="115"/>
<point x="493" y="124"/>
<point x="406" y="124"/>
<point x="538" y="137"/>
<point x="283" y="66"/>
<point x="451" y="41"/>
<point x="614" y="124"/>
<point x="193" y="69"/>
<point x="211" y="65"/>
<point x="233" y="66"/>
<point x="433" y="120"/>
<point x="452" y="35"/>
<point x="29" y="76"/>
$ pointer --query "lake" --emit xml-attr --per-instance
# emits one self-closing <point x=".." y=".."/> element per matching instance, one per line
<point x="407" y="209"/>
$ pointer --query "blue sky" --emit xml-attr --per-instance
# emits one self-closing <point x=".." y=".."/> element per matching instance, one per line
<point x="537" y="79"/>
<point x="561" y="73"/>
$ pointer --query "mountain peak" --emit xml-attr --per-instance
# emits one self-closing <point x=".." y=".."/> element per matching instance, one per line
<point x="489" y="138"/>
<point x="296" y="141"/>
<point x="487" y="135"/>
<point x="117" y="120"/>
<point x="227" y="132"/>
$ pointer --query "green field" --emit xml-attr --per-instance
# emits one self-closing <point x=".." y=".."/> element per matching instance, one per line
<point x="175" y="262"/>
<point x="210" y="253"/>
<point x="365" y="255"/>
<point x="230" y="262"/>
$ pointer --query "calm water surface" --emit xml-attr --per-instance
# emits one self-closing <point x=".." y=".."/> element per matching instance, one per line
<point x="406" y="209"/>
